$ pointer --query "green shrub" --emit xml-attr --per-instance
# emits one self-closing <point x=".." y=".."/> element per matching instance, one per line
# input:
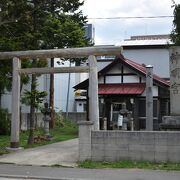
<point x="4" y="122"/>
<point x="59" y="119"/>
<point x="65" y="125"/>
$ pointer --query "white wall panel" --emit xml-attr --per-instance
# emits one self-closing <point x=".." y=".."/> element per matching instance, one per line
<point x="116" y="69"/>
<point x="113" y="79"/>
<point x="101" y="80"/>
<point x="130" y="79"/>
<point x="126" y="70"/>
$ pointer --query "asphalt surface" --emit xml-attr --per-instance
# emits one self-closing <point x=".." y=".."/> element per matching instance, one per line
<point x="62" y="153"/>
<point x="59" y="173"/>
<point x="38" y="163"/>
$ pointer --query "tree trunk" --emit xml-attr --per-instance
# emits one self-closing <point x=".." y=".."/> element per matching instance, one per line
<point x="0" y="99"/>
<point x="32" y="113"/>
<point x="20" y="108"/>
<point x="31" y="130"/>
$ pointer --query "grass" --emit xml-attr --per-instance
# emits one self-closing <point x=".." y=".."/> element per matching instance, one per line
<point x="62" y="132"/>
<point x="67" y="130"/>
<point x="130" y="164"/>
<point x="4" y="142"/>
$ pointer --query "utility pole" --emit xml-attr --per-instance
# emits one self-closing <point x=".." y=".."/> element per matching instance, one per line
<point x="51" y="97"/>
<point x="67" y="100"/>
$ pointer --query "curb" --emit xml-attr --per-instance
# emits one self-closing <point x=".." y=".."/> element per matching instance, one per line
<point x="36" y="177"/>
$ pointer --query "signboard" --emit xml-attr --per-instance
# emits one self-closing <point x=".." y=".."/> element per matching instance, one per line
<point x="120" y="120"/>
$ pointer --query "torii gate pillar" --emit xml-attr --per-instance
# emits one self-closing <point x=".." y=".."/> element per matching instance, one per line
<point x="15" y="104"/>
<point x="93" y="92"/>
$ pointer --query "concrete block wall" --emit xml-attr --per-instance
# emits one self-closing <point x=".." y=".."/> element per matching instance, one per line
<point x="75" y="116"/>
<point x="25" y="118"/>
<point x="155" y="146"/>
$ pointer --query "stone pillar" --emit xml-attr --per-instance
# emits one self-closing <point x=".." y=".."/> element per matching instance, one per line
<point x="172" y="122"/>
<point x="175" y="81"/>
<point x="149" y="98"/>
<point x="15" y="104"/>
<point x="85" y="128"/>
<point x="46" y="120"/>
<point x="93" y="92"/>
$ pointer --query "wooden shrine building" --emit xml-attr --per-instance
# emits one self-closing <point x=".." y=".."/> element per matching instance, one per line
<point x="124" y="81"/>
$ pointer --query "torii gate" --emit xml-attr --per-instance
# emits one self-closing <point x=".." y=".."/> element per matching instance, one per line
<point x="90" y="52"/>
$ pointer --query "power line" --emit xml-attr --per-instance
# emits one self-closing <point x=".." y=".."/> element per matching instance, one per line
<point x="132" y="17"/>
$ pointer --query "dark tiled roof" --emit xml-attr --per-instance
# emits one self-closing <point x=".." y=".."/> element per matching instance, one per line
<point x="126" y="88"/>
<point x="138" y="68"/>
<point x="142" y="69"/>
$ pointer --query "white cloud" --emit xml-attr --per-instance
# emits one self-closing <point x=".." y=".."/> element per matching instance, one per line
<point x="115" y="30"/>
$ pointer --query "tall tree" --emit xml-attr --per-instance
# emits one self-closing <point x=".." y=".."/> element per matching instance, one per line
<point x="175" y="34"/>
<point x="41" y="24"/>
<point x="21" y="31"/>
<point x="65" y="15"/>
<point x="5" y="77"/>
<point x="33" y="98"/>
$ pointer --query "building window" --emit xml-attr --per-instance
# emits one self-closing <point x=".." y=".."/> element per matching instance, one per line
<point x="85" y="107"/>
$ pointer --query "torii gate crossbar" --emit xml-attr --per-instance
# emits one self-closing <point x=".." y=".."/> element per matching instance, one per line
<point x="90" y="52"/>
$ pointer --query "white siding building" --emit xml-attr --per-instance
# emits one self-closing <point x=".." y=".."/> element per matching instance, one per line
<point x="145" y="50"/>
<point x="61" y="88"/>
<point x="43" y="85"/>
<point x="153" y="50"/>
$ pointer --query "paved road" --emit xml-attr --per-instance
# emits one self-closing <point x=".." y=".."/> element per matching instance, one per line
<point x="2" y="178"/>
<point x="54" y="173"/>
<point x="27" y="164"/>
<point x="62" y="153"/>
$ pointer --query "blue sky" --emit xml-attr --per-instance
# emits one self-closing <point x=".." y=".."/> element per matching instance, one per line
<point x="113" y="31"/>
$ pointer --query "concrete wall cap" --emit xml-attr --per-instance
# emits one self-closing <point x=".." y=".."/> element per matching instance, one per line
<point x="85" y="123"/>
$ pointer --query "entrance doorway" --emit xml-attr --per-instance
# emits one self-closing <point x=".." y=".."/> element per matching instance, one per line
<point x="115" y="109"/>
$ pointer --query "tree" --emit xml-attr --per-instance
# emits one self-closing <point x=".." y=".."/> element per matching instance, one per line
<point x="33" y="98"/>
<point x="22" y="32"/>
<point x="175" y="34"/>
<point x="5" y="77"/>
<point x="41" y="24"/>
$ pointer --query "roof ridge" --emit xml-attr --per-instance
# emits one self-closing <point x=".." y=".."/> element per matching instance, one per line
<point x="134" y="65"/>
<point x="143" y="70"/>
